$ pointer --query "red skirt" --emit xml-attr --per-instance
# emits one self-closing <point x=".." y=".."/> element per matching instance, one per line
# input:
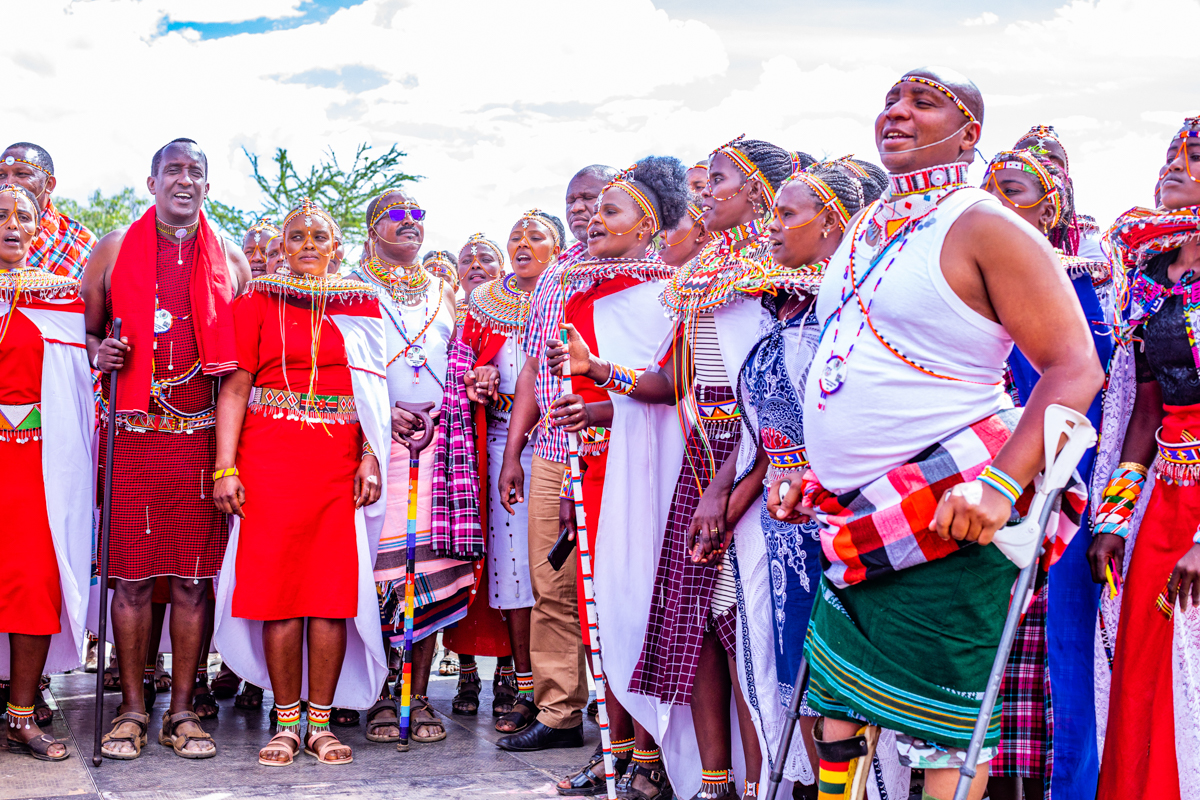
<point x="30" y="594"/>
<point x="297" y="549"/>
<point x="1139" y="748"/>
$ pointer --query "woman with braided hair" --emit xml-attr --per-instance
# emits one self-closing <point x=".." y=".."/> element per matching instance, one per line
<point x="1048" y="716"/>
<point x="1152" y="740"/>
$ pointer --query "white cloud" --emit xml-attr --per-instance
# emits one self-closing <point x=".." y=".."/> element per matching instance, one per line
<point x="227" y="10"/>
<point x="986" y="18"/>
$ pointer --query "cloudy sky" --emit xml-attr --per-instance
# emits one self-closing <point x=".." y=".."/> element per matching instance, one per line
<point x="498" y="102"/>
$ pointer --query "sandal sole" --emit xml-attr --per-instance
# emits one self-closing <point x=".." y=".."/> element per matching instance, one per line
<point x="350" y="760"/>
<point x="26" y="750"/>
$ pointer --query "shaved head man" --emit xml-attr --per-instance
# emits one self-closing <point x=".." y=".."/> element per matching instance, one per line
<point x="62" y="245"/>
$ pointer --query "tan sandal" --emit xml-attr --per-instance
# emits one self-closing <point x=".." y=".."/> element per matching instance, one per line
<point x="280" y="744"/>
<point x="420" y="703"/>
<point x="138" y="741"/>
<point x="318" y="744"/>
<point x="177" y="741"/>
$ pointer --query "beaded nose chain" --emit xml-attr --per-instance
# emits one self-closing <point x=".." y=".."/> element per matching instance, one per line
<point x="694" y="211"/>
<point x="308" y="208"/>
<point x="473" y="244"/>
<point x="405" y="204"/>
<point x="1019" y="160"/>
<point x="12" y="215"/>
<point x="1183" y="148"/>
<point x="825" y="194"/>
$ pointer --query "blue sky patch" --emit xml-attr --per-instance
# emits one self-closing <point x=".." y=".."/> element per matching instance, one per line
<point x="311" y="11"/>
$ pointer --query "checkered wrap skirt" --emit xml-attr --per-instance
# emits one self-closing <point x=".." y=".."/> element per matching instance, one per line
<point x="680" y="610"/>
<point x="1026" y="718"/>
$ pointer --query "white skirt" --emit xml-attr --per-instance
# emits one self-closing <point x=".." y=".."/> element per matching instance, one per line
<point x="509" y="583"/>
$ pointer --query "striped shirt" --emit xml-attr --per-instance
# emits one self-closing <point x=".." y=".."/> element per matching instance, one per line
<point x="545" y="315"/>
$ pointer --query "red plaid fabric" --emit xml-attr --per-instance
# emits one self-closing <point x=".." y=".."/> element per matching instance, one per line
<point x="680" y="613"/>
<point x="884" y="526"/>
<point x="62" y="245"/>
<point x="456" y="530"/>
<point x="1026" y="717"/>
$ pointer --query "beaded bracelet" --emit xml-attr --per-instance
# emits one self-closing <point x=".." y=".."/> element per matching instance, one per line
<point x="621" y="380"/>
<point x="367" y="451"/>
<point x="225" y="473"/>
<point x="1196" y="535"/>
<point x="1119" y="499"/>
<point x="566" y="491"/>
<point x="1002" y="482"/>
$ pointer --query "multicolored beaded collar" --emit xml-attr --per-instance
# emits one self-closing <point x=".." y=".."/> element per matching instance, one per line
<point x="309" y="287"/>
<point x="500" y="305"/>
<point x="932" y="179"/>
<point x="715" y="277"/>
<point x="930" y="82"/>
<point x="914" y="196"/>
<point x="33" y="282"/>
<point x="603" y="269"/>
<point x="1142" y="233"/>
<point x="1100" y="272"/>
<point x="408" y="286"/>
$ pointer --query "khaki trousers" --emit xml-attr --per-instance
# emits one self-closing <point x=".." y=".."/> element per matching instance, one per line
<point x="555" y="637"/>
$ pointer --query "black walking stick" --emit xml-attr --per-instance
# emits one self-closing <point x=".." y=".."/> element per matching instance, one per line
<point x="102" y="548"/>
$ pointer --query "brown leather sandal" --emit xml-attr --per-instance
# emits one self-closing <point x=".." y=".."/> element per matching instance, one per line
<point x="523" y="714"/>
<point x="138" y="741"/>
<point x="167" y="737"/>
<point x="38" y="747"/>
<point x="320" y="743"/>
<point x="282" y="742"/>
<point x="374" y="723"/>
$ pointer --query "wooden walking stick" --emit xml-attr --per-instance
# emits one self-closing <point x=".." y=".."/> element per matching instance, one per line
<point x="1025" y="541"/>
<point x="410" y="573"/>
<point x="589" y="596"/>
<point x="102" y="548"/>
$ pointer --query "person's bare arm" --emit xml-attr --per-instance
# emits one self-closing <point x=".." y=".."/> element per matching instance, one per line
<point x="228" y="493"/>
<point x="105" y="354"/>
<point x="239" y="267"/>
<point x="520" y="422"/>
<point x="652" y="387"/>
<point x="1005" y="271"/>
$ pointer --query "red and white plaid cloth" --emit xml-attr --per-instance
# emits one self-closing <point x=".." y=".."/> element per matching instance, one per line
<point x="456" y="531"/>
<point x="884" y="526"/>
<point x="62" y="245"/>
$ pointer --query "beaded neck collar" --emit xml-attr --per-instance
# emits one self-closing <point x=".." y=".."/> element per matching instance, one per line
<point x="500" y="305"/>
<point x="943" y="176"/>
<point x="27" y="282"/>
<point x="601" y="269"/>
<point x="1142" y="233"/>
<point x="744" y="232"/>
<point x="407" y="286"/>
<point x="716" y="276"/>
<point x="308" y="287"/>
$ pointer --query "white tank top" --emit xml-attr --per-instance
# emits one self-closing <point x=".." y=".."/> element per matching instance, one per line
<point x="428" y="387"/>
<point x="887" y="411"/>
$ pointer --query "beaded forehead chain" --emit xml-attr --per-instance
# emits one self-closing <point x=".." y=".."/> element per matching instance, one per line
<point x="941" y="88"/>
<point x="624" y="182"/>
<point x="1043" y="134"/>
<point x="537" y="215"/>
<point x="263" y="225"/>
<point x="747" y="166"/>
<point x="20" y="192"/>
<point x="10" y="160"/>
<point x="477" y="240"/>
<point x="1022" y="160"/>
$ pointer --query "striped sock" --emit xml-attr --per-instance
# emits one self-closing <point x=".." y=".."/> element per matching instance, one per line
<point x="713" y="778"/>
<point x="621" y="748"/>
<point x="288" y="716"/>
<point x="831" y="782"/>
<point x="648" y="757"/>
<point x="318" y="716"/>
<point x="17" y="714"/>
<point x="525" y="684"/>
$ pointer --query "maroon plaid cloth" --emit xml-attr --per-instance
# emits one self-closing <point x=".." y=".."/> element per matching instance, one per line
<point x="679" y="612"/>
<point x="456" y="531"/>
<point x="1026" y="718"/>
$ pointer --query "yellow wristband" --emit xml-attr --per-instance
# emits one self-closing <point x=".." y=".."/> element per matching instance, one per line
<point x="225" y="473"/>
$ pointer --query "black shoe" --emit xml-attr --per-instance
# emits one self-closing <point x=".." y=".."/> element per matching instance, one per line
<point x="540" y="737"/>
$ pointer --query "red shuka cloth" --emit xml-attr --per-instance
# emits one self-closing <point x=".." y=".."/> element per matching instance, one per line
<point x="132" y="295"/>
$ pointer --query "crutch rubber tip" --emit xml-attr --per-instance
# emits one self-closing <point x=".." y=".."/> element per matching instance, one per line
<point x="402" y="746"/>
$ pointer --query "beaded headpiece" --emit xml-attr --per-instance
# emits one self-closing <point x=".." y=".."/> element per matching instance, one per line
<point x="795" y="156"/>
<point x="477" y="240"/>
<point x="308" y="209"/>
<point x="700" y="165"/>
<point x="1190" y="129"/>
<point x="849" y="163"/>
<point x="403" y="202"/>
<point x="946" y="90"/>
<point x="822" y="190"/>
<point x="21" y="191"/>
<point x="537" y="215"/>
<point x="10" y="160"/>
<point x="264" y="225"/>
<point x="438" y="265"/>
<point x="695" y="211"/>
<point x="624" y="182"/>
<point x="1044" y="133"/>
<point x="1026" y="162"/>
<point x="748" y="167"/>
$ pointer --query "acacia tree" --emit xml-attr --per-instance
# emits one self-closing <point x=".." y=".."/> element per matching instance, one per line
<point x="342" y="191"/>
<point x="102" y="214"/>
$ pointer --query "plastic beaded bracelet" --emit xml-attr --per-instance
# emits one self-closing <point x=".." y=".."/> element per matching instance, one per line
<point x="1119" y="499"/>
<point x="367" y="451"/>
<point x="225" y="473"/>
<point x="621" y="380"/>
<point x="1002" y="482"/>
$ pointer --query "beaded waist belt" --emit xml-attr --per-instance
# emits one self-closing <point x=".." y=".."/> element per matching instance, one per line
<point x="593" y="441"/>
<point x="161" y="423"/>
<point x="718" y="411"/>
<point x="326" y="408"/>
<point x="1178" y="464"/>
<point x="20" y="423"/>
<point x="787" y="459"/>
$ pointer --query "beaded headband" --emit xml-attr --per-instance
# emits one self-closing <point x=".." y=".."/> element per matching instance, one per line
<point x="10" y="160"/>
<point x="477" y="239"/>
<point x="1044" y="132"/>
<point x="307" y="207"/>
<point x="624" y="182"/>
<point x="259" y="227"/>
<point x="404" y="202"/>
<point x="537" y="215"/>
<point x="748" y="168"/>
<point x="822" y="190"/>
<point x="849" y="163"/>
<point x="695" y="211"/>
<point x="1022" y="160"/>
<point x="442" y="267"/>
<point x="21" y="191"/>
<point x="700" y="165"/>
<point x="1190" y="128"/>
<point x="796" y="165"/>
<point x="941" y="88"/>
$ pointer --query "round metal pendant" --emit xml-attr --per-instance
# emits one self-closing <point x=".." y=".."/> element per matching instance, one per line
<point x="162" y="320"/>
<point x="834" y="374"/>
<point x="415" y="356"/>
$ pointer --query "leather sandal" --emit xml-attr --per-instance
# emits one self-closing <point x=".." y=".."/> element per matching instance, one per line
<point x="42" y="714"/>
<point x="280" y="744"/>
<point x="467" y="700"/>
<point x="250" y="698"/>
<point x="202" y="700"/>
<point x="38" y="747"/>
<point x="374" y="724"/>
<point x="432" y="720"/>
<point x="320" y="743"/>
<point x="523" y="714"/>
<point x="226" y="684"/>
<point x="138" y="741"/>
<point x="590" y="781"/>
<point x="177" y="741"/>
<point x="504" y="694"/>
<point x="657" y="778"/>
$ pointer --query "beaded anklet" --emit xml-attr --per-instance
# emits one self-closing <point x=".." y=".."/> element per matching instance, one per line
<point x="318" y="717"/>
<point x="288" y="716"/>
<point x="17" y="714"/>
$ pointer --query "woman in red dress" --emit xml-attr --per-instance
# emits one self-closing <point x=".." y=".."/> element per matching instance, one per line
<point x="45" y="411"/>
<point x="308" y="391"/>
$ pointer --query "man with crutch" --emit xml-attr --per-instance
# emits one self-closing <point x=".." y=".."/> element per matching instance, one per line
<point x="915" y="465"/>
